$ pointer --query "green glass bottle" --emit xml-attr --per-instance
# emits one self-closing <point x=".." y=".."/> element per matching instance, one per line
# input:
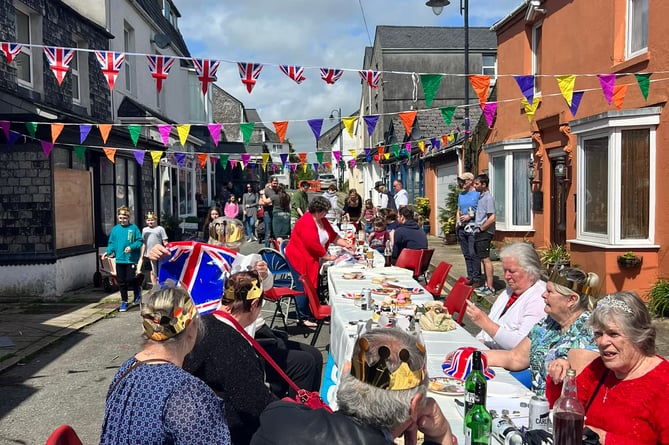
<point x="478" y="422"/>
<point x="476" y="386"/>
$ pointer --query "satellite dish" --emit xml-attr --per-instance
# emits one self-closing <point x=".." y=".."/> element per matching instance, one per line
<point x="162" y="41"/>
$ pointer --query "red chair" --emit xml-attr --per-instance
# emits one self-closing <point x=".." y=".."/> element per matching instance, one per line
<point x="63" y="435"/>
<point x="457" y="298"/>
<point x="438" y="278"/>
<point x="318" y="310"/>
<point x="410" y="259"/>
<point x="425" y="262"/>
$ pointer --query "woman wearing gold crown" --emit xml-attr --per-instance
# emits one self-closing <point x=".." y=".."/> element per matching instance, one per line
<point x="564" y="328"/>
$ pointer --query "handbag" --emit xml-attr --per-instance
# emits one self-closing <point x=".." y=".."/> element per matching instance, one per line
<point x="308" y="398"/>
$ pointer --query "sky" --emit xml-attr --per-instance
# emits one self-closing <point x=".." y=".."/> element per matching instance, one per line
<point x="308" y="33"/>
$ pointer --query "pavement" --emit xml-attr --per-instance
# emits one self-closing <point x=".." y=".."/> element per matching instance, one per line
<point x="29" y="325"/>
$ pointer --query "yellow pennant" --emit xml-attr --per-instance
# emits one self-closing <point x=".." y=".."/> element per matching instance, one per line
<point x="349" y="122"/>
<point x="353" y="153"/>
<point x="421" y="146"/>
<point x="265" y="160"/>
<point x="566" y="85"/>
<point x="386" y="155"/>
<point x="183" y="131"/>
<point x="530" y="109"/>
<point x="155" y="157"/>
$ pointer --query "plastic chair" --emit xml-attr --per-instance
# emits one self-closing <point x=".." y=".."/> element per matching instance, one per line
<point x="410" y="259"/>
<point x="457" y="298"/>
<point x="438" y="278"/>
<point x="318" y="310"/>
<point x="63" y="435"/>
<point x="425" y="259"/>
<point x="284" y="289"/>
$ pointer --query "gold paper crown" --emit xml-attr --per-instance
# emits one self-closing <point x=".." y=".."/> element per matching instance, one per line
<point x="378" y="374"/>
<point x="173" y="324"/>
<point x="559" y="276"/>
<point x="252" y="294"/>
<point x="151" y="215"/>
<point x="123" y="211"/>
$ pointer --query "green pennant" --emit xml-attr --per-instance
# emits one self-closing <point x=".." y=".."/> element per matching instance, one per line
<point x="644" y="83"/>
<point x="79" y="150"/>
<point x="32" y="128"/>
<point x="396" y="150"/>
<point x="134" y="131"/>
<point x="247" y="130"/>
<point x="223" y="160"/>
<point x="430" y="84"/>
<point x="447" y="114"/>
<point x="319" y="157"/>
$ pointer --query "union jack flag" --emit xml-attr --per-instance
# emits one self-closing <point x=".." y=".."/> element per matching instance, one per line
<point x="160" y="67"/>
<point x="294" y="72"/>
<point x="111" y="63"/>
<point x="11" y="50"/>
<point x="206" y="72"/>
<point x="371" y="77"/>
<point x="202" y="268"/>
<point x="249" y="73"/>
<point x="59" y="61"/>
<point x="331" y="75"/>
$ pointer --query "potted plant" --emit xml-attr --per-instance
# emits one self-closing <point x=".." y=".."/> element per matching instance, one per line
<point x="423" y="208"/>
<point x="658" y="298"/>
<point x="447" y="214"/>
<point x="555" y="255"/>
<point x="628" y="260"/>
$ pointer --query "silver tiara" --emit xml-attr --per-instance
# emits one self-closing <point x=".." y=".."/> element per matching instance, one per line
<point x="609" y="301"/>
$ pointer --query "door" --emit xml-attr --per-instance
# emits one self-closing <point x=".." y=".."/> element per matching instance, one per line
<point x="558" y="214"/>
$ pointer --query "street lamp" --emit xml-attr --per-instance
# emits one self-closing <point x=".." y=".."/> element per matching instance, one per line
<point x="341" y="145"/>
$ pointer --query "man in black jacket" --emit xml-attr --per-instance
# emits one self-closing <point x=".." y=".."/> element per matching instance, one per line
<point x="408" y="233"/>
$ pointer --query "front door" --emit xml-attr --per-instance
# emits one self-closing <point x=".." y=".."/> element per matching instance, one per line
<point x="558" y="206"/>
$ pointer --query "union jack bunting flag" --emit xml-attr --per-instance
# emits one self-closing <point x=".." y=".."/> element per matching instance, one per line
<point x="249" y="73"/>
<point x="59" y="60"/>
<point x="111" y="63"/>
<point x="294" y="72"/>
<point x="206" y="72"/>
<point x="331" y="75"/>
<point x="160" y="67"/>
<point x="371" y="77"/>
<point x="202" y="268"/>
<point x="11" y="50"/>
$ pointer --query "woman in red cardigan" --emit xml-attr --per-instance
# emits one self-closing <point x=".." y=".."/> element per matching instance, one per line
<point x="308" y="246"/>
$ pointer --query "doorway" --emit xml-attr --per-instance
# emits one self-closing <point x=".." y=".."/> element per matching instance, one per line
<point x="559" y="187"/>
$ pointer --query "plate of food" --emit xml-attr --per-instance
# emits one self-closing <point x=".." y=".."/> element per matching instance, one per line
<point x="352" y="296"/>
<point x="383" y="279"/>
<point x="446" y="386"/>
<point x="384" y="291"/>
<point x="353" y="276"/>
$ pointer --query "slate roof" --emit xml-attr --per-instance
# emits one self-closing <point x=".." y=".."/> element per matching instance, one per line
<point x="435" y="37"/>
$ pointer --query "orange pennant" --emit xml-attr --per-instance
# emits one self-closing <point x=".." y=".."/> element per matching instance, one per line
<point x="619" y="92"/>
<point x="202" y="157"/>
<point x="303" y="158"/>
<point x="110" y="152"/>
<point x="481" y="86"/>
<point x="381" y="149"/>
<point x="281" y="128"/>
<point x="55" y="131"/>
<point x="104" y="131"/>
<point x="408" y="118"/>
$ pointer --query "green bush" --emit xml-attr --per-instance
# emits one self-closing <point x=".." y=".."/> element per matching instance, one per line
<point x="658" y="298"/>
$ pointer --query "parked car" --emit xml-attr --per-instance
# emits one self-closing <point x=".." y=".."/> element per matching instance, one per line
<point x="327" y="179"/>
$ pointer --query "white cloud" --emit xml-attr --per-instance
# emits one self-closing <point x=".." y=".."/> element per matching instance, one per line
<point x="310" y="33"/>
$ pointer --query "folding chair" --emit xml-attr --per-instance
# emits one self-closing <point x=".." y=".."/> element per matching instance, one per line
<point x="425" y="259"/>
<point x="318" y="310"/>
<point x="63" y="435"/>
<point x="410" y="259"/>
<point x="283" y="291"/>
<point x="438" y="278"/>
<point x="456" y="301"/>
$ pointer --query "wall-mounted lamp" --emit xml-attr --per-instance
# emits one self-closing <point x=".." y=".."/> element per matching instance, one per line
<point x="560" y="171"/>
<point x="530" y="171"/>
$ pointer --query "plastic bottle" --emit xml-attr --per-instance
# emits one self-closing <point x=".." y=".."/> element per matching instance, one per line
<point x="568" y="414"/>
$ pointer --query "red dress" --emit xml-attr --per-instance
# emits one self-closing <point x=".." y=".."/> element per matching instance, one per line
<point x="304" y="249"/>
<point x="632" y="412"/>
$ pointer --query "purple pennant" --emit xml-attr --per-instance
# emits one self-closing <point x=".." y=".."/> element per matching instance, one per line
<point x="371" y="123"/>
<point x="368" y="154"/>
<point x="575" y="102"/>
<point x="139" y="156"/>
<point x="84" y="129"/>
<point x="489" y="112"/>
<point x="526" y="85"/>
<point x="607" y="81"/>
<point x="337" y="155"/>
<point x="436" y="144"/>
<point x="181" y="158"/>
<point x="316" y="125"/>
<point x="13" y="136"/>
<point x="46" y="147"/>
<point x="246" y="157"/>
<point x="315" y="165"/>
<point x="284" y="158"/>
<point x="293" y="167"/>
<point x="5" y="128"/>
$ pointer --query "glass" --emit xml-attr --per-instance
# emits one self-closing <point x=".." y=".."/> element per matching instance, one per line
<point x="635" y="187"/>
<point x="596" y="185"/>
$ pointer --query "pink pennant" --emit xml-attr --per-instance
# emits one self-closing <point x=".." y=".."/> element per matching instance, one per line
<point x="607" y="81"/>
<point x="165" y="133"/>
<point x="337" y="155"/>
<point x="489" y="112"/>
<point x="215" y="132"/>
<point x="46" y="147"/>
<point x="5" y="127"/>
<point x="246" y="157"/>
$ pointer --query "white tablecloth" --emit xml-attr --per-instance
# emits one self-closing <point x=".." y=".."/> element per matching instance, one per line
<point x="438" y="344"/>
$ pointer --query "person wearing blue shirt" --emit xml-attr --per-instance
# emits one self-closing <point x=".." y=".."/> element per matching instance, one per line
<point x="466" y="211"/>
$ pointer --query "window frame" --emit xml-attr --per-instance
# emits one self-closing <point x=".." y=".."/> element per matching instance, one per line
<point x="76" y="73"/>
<point x="128" y="66"/>
<point x="26" y="50"/>
<point x="611" y="125"/>
<point x="492" y="67"/>
<point x="632" y="32"/>
<point x="507" y="150"/>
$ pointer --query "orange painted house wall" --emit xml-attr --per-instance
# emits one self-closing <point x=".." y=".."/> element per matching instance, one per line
<point x="585" y="37"/>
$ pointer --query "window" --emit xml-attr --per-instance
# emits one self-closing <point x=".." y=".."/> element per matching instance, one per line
<point x="510" y="185"/>
<point x="489" y="65"/>
<point x="128" y="67"/>
<point x="615" y="177"/>
<point x="537" y="31"/>
<point x="24" y="60"/>
<point x="74" y="72"/>
<point x="118" y="186"/>
<point x="66" y="158"/>
<point x="177" y="192"/>
<point x="166" y="9"/>
<point x="637" y="27"/>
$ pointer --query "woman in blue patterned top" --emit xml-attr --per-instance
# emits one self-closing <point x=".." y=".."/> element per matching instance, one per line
<point x="560" y="340"/>
<point x="151" y="400"/>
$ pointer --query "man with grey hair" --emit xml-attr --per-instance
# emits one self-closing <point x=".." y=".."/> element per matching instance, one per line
<point x="381" y="395"/>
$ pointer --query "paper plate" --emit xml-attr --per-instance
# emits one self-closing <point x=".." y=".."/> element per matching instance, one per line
<point x="501" y="389"/>
<point x="446" y="386"/>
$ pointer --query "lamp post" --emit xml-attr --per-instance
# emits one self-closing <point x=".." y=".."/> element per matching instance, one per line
<point x="437" y="7"/>
<point x="341" y="145"/>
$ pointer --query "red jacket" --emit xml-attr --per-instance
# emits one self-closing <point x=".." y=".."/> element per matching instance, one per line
<point x="304" y="249"/>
